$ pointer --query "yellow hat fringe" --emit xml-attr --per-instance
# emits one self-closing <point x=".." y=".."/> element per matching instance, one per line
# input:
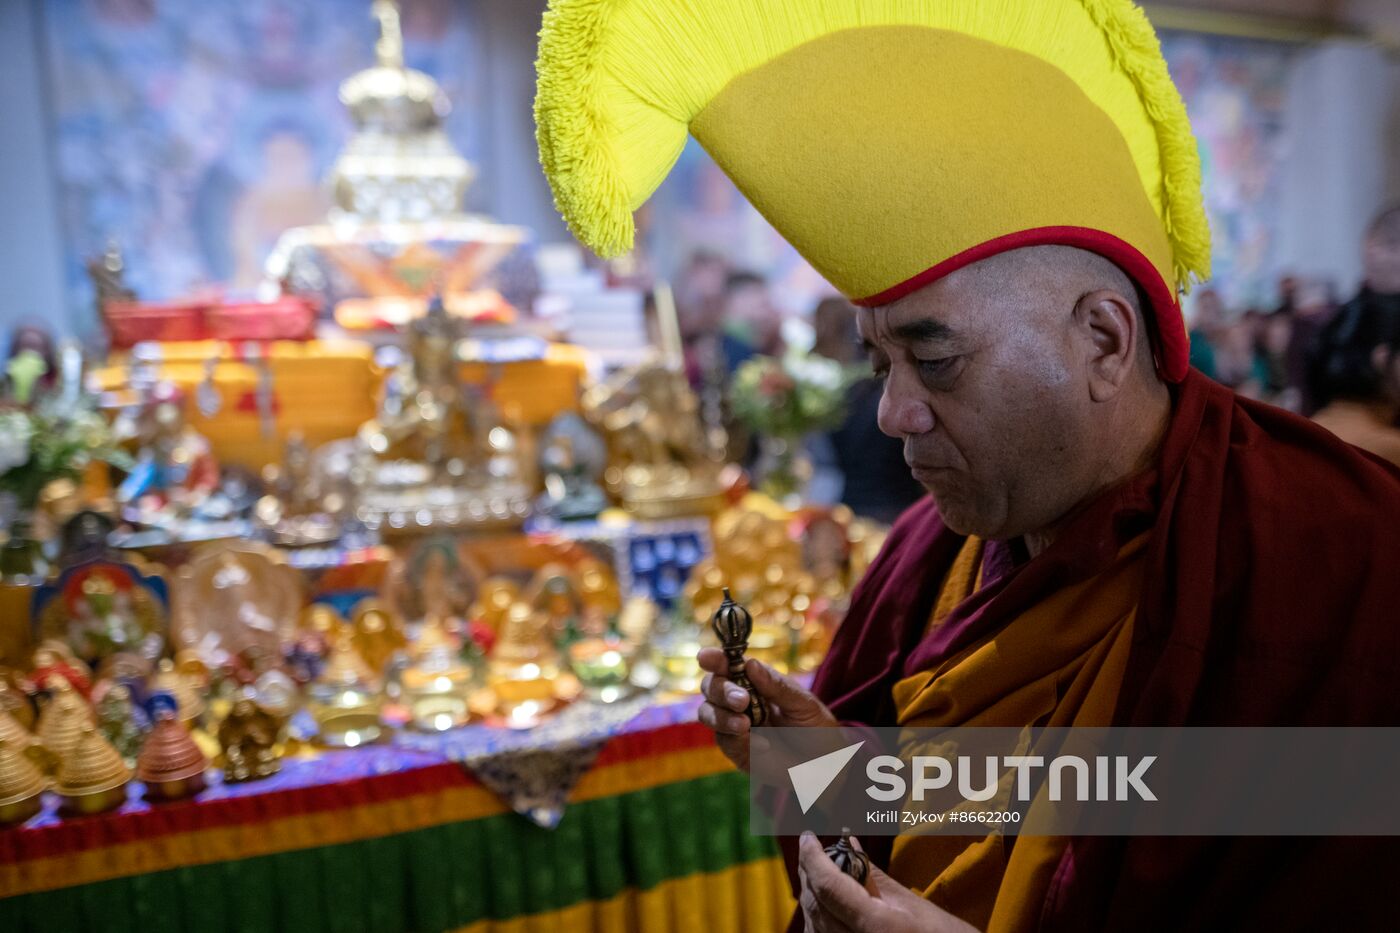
<point x="1139" y="53"/>
<point x="570" y="127"/>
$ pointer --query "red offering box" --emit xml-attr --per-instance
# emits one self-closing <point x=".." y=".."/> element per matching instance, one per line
<point x="287" y="318"/>
<point x="130" y="322"/>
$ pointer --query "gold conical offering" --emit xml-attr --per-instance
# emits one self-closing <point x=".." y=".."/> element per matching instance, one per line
<point x="187" y="698"/>
<point x="62" y="722"/>
<point x="12" y="732"/>
<point x="21" y="784"/>
<point x="171" y="764"/>
<point x="93" y="777"/>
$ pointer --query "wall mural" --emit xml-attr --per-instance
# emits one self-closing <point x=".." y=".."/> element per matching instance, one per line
<point x="194" y="133"/>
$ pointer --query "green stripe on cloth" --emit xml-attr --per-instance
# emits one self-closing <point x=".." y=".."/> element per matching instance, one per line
<point x="430" y="880"/>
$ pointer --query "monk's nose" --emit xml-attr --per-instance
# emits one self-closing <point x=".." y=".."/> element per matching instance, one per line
<point x="903" y="412"/>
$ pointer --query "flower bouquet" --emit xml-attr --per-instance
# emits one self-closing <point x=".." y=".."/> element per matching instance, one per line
<point x="781" y="400"/>
<point x="47" y="435"/>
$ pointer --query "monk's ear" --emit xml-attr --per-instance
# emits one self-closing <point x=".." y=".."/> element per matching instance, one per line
<point x="1111" y="330"/>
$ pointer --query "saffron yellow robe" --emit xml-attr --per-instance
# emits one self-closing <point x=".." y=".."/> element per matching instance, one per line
<point x="1059" y="664"/>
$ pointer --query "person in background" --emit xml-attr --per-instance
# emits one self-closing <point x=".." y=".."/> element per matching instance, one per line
<point x="1314" y="306"/>
<point x="1205" y="328"/>
<point x="1275" y="337"/>
<point x="877" y="482"/>
<point x="1236" y="364"/>
<point x="751" y="324"/>
<point x="699" y="297"/>
<point x="1366" y="403"/>
<point x="1369" y="320"/>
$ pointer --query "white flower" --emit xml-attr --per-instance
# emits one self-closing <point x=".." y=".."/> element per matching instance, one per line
<point x="816" y="371"/>
<point x="16" y="431"/>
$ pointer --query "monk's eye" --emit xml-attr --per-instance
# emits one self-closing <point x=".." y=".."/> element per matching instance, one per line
<point x="938" y="373"/>
<point x="878" y="367"/>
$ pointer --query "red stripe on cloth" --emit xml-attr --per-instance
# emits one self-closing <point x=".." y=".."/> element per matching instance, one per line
<point x="1171" y="345"/>
<point x="95" y="832"/>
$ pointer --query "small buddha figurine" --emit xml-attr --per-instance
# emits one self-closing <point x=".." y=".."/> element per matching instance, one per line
<point x="345" y="699"/>
<point x="571" y="493"/>
<point x="598" y="587"/>
<point x="660" y="461"/>
<point x="119" y="723"/>
<point x="379" y="634"/>
<point x="52" y="660"/>
<point x="248" y="736"/>
<point x="553" y="592"/>
<point x="185" y="692"/>
<point x="493" y="602"/>
<point x="527" y="638"/>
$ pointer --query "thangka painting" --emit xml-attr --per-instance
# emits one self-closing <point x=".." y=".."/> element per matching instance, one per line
<point x="1234" y="90"/>
<point x="193" y="133"/>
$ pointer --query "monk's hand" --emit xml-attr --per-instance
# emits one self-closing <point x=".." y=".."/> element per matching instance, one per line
<point x="725" y="702"/>
<point x="832" y="901"/>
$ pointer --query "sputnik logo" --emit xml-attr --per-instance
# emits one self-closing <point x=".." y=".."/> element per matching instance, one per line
<point x="811" y="778"/>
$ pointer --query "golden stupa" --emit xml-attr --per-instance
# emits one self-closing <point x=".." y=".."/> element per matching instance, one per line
<point x="21" y="783"/>
<point x="12" y="732"/>
<point x="63" y="720"/>
<point x="92" y="778"/>
<point x="397" y="234"/>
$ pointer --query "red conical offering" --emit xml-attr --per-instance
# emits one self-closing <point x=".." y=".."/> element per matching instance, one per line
<point x="171" y="764"/>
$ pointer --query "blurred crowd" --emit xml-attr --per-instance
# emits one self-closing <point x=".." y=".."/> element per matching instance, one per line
<point x="1337" y="362"/>
<point x="728" y="316"/>
<point x="1334" y="359"/>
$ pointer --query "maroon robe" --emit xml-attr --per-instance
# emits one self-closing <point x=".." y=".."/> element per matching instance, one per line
<point x="1271" y="598"/>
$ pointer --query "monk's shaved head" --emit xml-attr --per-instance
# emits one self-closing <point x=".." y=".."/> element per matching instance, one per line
<point x="1064" y="271"/>
<point x="1021" y="385"/>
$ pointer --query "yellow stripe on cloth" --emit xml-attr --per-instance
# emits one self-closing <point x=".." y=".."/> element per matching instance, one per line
<point x="749" y="898"/>
<point x="334" y="827"/>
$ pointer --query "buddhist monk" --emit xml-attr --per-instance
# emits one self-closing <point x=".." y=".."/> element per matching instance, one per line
<point x="1010" y="192"/>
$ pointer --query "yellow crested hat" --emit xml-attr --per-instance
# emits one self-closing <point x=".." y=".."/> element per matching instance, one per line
<point x="890" y="141"/>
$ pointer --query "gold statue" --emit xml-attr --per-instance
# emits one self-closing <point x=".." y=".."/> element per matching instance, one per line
<point x="379" y="634"/>
<point x="345" y="699"/>
<point x="298" y="511"/>
<point x="659" y="460"/>
<point x="438" y="456"/>
<point x="248" y="736"/>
